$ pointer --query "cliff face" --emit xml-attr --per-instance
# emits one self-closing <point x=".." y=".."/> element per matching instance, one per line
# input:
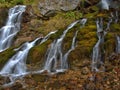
<point x="44" y="16"/>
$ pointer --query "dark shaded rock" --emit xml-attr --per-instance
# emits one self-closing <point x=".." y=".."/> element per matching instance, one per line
<point x="50" y="13"/>
<point x="3" y="16"/>
<point x="28" y="14"/>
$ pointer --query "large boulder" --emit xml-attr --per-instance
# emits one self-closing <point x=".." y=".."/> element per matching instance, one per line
<point x="50" y="5"/>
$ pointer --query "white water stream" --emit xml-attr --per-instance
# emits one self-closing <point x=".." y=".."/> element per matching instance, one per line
<point x="8" y="32"/>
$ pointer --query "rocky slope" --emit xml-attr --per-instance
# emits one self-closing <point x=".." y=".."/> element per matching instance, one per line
<point x="42" y="17"/>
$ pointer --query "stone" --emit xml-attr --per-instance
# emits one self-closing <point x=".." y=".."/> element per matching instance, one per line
<point x="57" y="5"/>
<point x="85" y="71"/>
<point x="50" y="13"/>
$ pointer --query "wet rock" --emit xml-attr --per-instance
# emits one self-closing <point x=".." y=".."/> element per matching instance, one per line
<point x="28" y="14"/>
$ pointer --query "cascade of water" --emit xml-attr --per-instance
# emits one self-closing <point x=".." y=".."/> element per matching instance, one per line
<point x="64" y="58"/>
<point x="115" y="16"/>
<point x="16" y="66"/>
<point x="47" y="36"/>
<point x="12" y="26"/>
<point x="105" y="4"/>
<point x="55" y="60"/>
<point x="98" y="50"/>
<point x="118" y="45"/>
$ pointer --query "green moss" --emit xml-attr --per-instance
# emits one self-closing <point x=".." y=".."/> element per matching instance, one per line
<point x="69" y="37"/>
<point x="86" y="40"/>
<point x="115" y="28"/>
<point x="109" y="43"/>
<point x="95" y="8"/>
<point x="5" y="56"/>
<point x="38" y="52"/>
<point x="59" y="21"/>
<point x="57" y="34"/>
<point x="73" y="14"/>
<point x="91" y="15"/>
<point x="10" y="3"/>
<point x="5" y="4"/>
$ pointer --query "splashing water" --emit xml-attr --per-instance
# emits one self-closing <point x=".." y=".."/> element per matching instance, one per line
<point x="12" y="26"/>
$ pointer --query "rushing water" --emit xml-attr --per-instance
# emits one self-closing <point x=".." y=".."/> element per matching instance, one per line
<point x="12" y="26"/>
<point x="64" y="58"/>
<point x="118" y="45"/>
<point x="98" y="50"/>
<point x="57" y="61"/>
<point x="115" y="16"/>
<point x="16" y="66"/>
<point x="105" y="4"/>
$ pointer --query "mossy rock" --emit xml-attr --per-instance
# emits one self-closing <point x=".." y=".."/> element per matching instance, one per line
<point x="67" y="42"/>
<point x="5" y="56"/>
<point x="110" y="43"/>
<point x="37" y="53"/>
<point x="115" y="28"/>
<point x="91" y="15"/>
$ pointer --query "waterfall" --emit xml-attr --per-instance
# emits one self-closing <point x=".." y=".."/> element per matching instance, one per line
<point x="12" y="26"/>
<point x="47" y="36"/>
<point x="55" y="60"/>
<point x="16" y="66"/>
<point x="115" y="16"/>
<point x="96" y="58"/>
<point x="118" y="45"/>
<point x="64" y="58"/>
<point x="105" y="4"/>
<point x="98" y="49"/>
